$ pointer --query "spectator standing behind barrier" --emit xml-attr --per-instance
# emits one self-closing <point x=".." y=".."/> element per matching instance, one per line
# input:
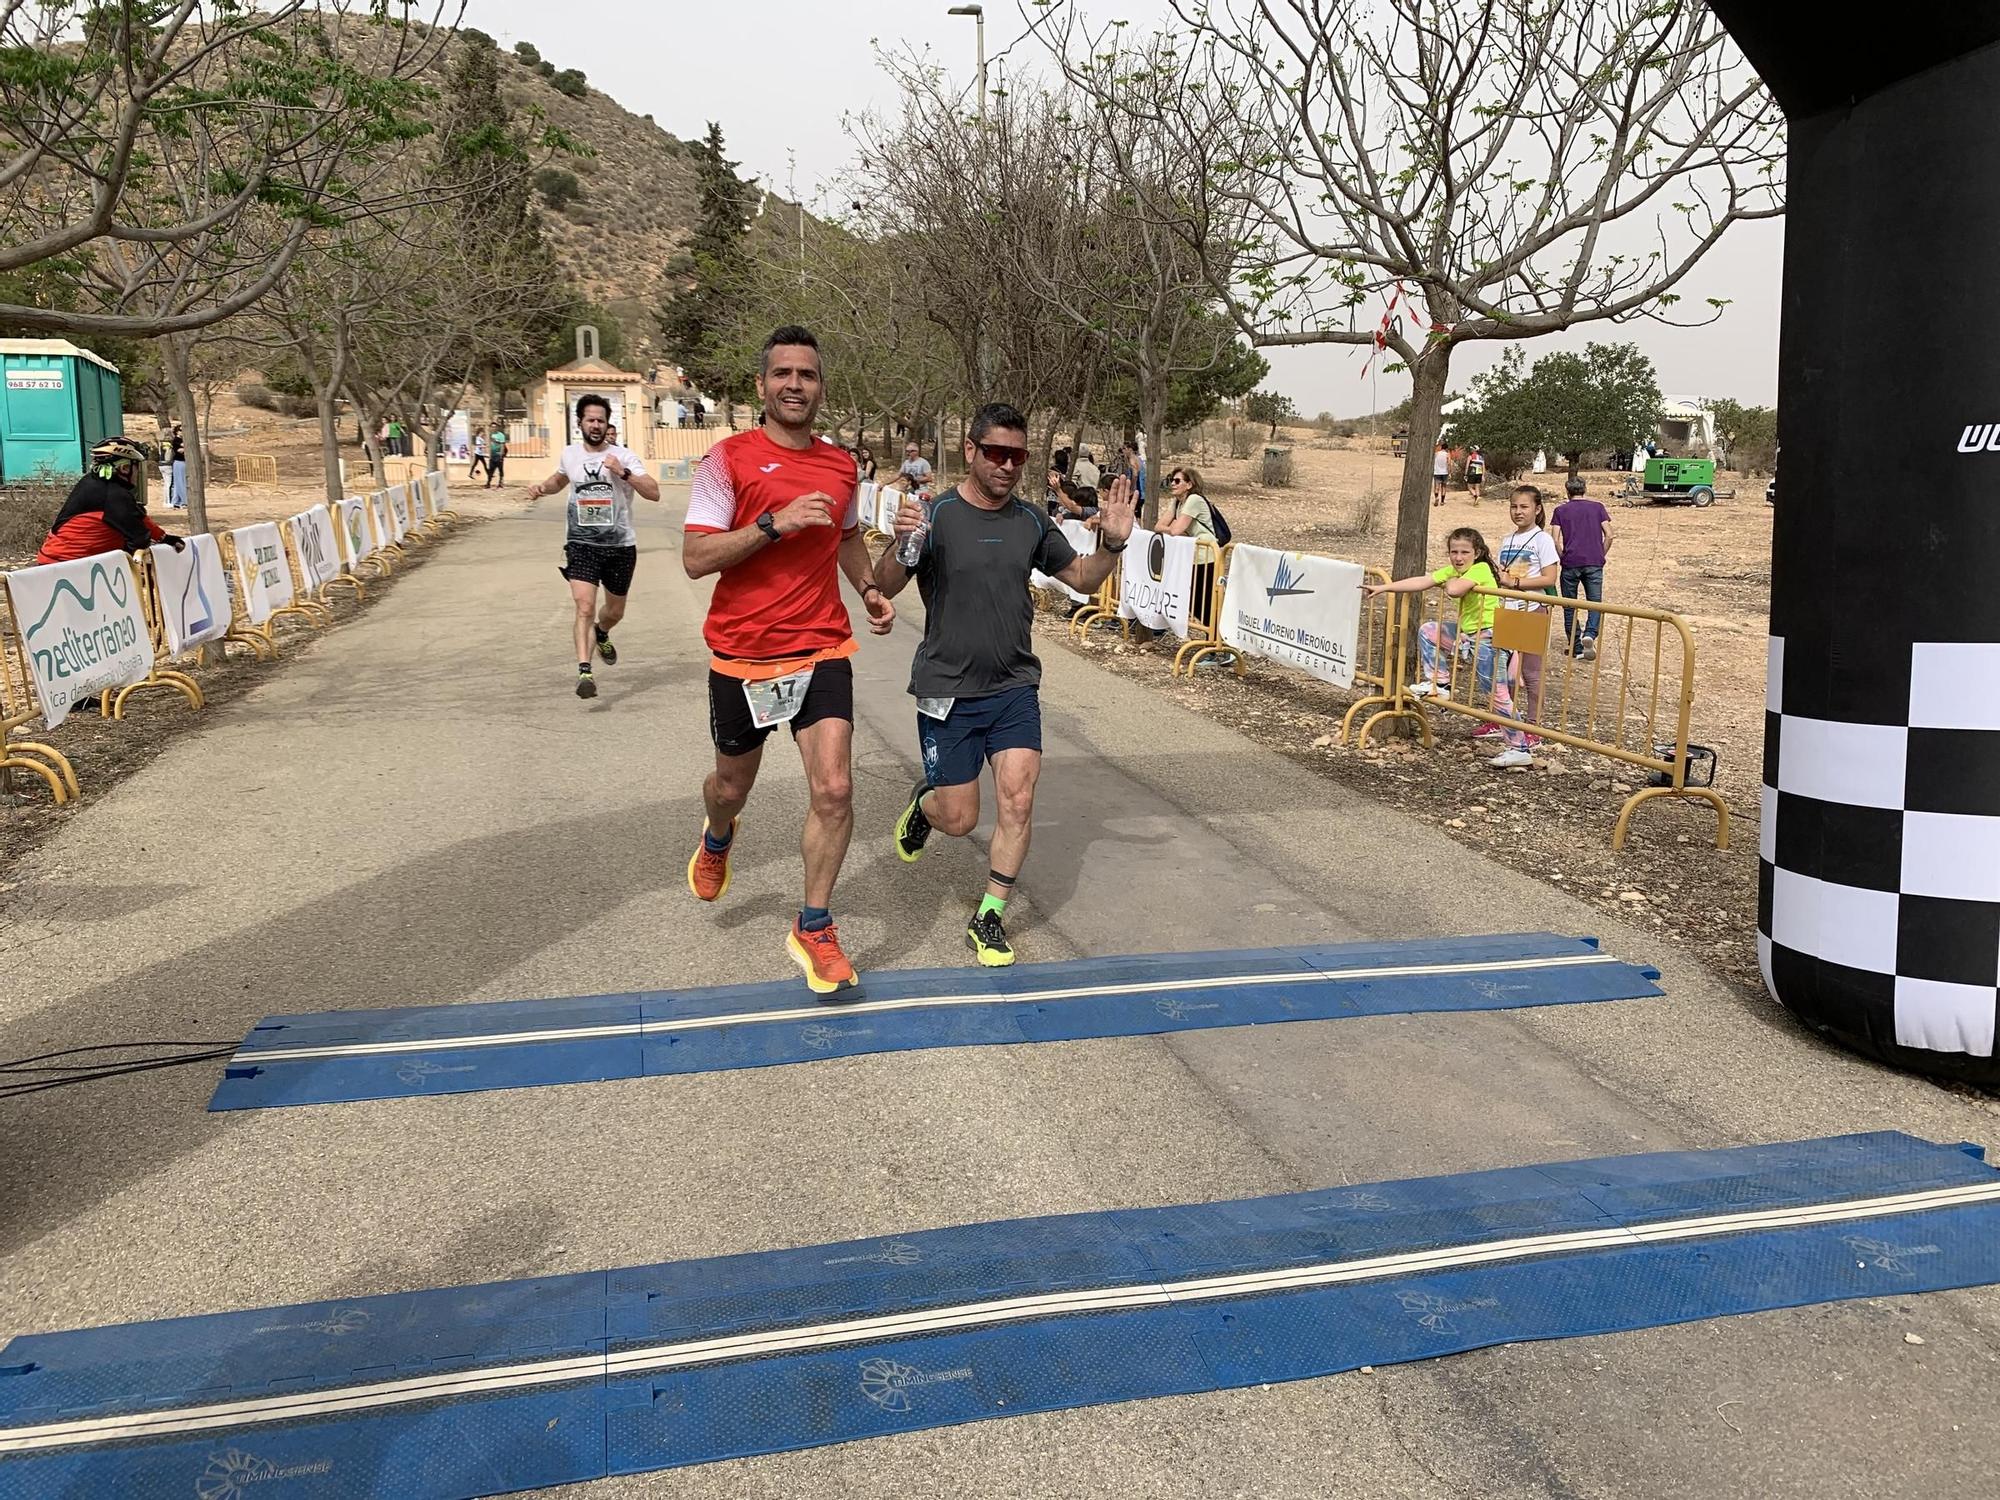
<point x="1470" y="636"/>
<point x="916" y="469"/>
<point x="177" y="462"/>
<point x="1527" y="562"/>
<point x="1086" y="475"/>
<point x="864" y="463"/>
<point x="1583" y="538"/>
<point x="1193" y="516"/>
<point x="1135" y="470"/>
<point x="496" y="458"/>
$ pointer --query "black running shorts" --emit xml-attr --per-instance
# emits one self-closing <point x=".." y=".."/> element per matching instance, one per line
<point x="609" y="566"/>
<point x="830" y="695"/>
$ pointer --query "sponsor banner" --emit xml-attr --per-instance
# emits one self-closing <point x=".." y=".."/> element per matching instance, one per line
<point x="1084" y="540"/>
<point x="82" y="629"/>
<point x="378" y="506"/>
<point x="318" y="549"/>
<point x="1158" y="581"/>
<point x="355" y="538"/>
<point x="262" y="570"/>
<point x="1301" y="610"/>
<point x="399" y="511"/>
<point x="194" y="593"/>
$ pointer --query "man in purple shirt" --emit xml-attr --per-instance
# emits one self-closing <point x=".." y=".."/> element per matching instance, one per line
<point x="1582" y="530"/>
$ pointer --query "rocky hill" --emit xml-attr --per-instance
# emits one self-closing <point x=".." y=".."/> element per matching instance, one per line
<point x="638" y="203"/>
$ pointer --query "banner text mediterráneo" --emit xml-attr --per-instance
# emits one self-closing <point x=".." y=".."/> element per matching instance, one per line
<point x="80" y="650"/>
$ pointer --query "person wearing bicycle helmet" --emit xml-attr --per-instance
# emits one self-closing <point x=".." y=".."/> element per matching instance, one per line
<point x="106" y="511"/>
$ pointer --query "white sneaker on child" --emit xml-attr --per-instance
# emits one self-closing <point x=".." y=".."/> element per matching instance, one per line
<point x="1507" y="759"/>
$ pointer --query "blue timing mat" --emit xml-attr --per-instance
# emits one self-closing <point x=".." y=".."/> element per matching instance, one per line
<point x="337" y="1056"/>
<point x="478" y="1390"/>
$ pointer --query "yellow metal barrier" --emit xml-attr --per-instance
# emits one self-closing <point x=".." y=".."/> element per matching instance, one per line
<point x="1379" y="664"/>
<point x="1103" y="606"/>
<point x="256" y="468"/>
<point x="1610" y="706"/>
<point x="113" y="705"/>
<point x="20" y="706"/>
<point x="1205" y="604"/>
<point x="259" y="638"/>
<point x="315" y="609"/>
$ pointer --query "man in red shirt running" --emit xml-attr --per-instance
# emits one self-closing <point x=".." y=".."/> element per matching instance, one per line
<point x="773" y="516"/>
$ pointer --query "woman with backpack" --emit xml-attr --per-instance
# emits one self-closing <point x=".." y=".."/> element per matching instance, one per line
<point x="1187" y="512"/>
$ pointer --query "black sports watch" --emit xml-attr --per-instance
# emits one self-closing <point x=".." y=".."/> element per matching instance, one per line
<point x="768" y="526"/>
<point x="1114" y="551"/>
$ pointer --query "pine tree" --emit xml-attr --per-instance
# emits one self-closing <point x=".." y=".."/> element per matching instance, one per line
<point x="698" y="325"/>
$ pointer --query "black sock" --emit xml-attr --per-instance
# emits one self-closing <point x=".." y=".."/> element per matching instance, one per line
<point x="583" y="668"/>
<point x="603" y="635"/>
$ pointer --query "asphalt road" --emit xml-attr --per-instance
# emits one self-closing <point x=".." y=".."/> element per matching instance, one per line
<point x="416" y="809"/>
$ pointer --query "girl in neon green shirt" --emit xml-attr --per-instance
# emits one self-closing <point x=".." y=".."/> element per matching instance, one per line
<point x="1470" y="636"/>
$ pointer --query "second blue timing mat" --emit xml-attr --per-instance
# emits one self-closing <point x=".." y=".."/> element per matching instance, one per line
<point x="476" y="1390"/>
<point x="339" y="1056"/>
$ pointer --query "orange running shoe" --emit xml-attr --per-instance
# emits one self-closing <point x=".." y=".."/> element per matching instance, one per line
<point x="818" y="953"/>
<point x="708" y="874"/>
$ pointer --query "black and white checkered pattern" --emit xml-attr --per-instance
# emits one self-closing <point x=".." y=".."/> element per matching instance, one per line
<point x="1878" y="911"/>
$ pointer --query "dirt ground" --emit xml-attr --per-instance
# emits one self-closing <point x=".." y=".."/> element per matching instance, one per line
<point x="1711" y="567"/>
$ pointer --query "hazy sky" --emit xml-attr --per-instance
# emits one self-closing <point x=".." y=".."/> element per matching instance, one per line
<point x="779" y="75"/>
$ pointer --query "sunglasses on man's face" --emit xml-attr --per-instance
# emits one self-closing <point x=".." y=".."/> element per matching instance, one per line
<point x="1001" y="456"/>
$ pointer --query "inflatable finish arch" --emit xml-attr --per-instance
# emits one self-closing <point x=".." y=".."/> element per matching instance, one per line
<point x="1879" y="897"/>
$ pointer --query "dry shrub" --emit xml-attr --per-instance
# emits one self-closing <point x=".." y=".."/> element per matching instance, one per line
<point x="25" y="513"/>
<point x="1369" y="506"/>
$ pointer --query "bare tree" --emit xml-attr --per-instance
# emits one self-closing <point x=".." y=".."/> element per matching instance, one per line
<point x="969" y="201"/>
<point x="1500" y="169"/>
<point x="138" y="139"/>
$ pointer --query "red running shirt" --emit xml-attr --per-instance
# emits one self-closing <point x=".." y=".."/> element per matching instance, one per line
<point x="783" y="600"/>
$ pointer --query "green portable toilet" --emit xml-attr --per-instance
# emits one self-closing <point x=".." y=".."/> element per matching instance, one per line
<point x="56" y="403"/>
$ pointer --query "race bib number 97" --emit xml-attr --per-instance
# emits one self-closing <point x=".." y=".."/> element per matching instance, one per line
<point x="594" y="513"/>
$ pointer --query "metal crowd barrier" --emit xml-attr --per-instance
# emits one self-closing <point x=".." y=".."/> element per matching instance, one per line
<point x="1205" y="605"/>
<point x="19" y="706"/>
<point x="1633" y="703"/>
<point x="1610" y="706"/>
<point x="113" y="704"/>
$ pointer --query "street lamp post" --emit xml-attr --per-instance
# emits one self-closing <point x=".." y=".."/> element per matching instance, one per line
<point x="978" y="14"/>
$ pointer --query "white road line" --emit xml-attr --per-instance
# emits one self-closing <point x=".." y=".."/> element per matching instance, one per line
<point x="875" y="1329"/>
<point x="829" y="1013"/>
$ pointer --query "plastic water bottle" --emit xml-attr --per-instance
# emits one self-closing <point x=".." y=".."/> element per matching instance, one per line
<point x="910" y="548"/>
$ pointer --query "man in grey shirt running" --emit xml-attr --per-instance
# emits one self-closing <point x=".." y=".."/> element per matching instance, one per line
<point x="975" y="677"/>
<point x="602" y="548"/>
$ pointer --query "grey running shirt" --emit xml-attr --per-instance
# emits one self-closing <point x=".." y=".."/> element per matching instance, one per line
<point x="978" y="636"/>
<point x="600" y="503"/>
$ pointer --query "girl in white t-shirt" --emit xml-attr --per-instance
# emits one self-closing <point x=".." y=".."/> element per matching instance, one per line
<point x="1527" y="560"/>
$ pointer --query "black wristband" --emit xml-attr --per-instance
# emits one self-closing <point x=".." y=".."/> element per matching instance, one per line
<point x="1114" y="551"/>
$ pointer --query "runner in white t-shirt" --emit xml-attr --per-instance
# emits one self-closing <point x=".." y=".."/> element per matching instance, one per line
<point x="602" y="547"/>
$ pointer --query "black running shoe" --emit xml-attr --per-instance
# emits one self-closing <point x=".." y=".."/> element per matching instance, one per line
<point x="586" y="685"/>
<point x="605" y="649"/>
<point x="913" y="828"/>
<point x="988" y="939"/>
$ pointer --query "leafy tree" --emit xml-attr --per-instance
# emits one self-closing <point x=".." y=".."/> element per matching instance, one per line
<point x="1499" y="416"/>
<point x="528" y="53"/>
<point x="1749" y="435"/>
<point x="558" y="188"/>
<point x="546" y="68"/>
<point x="1269" y="406"/>
<point x="1606" y="398"/>
<point x="570" y="81"/>
<point x="699" y="324"/>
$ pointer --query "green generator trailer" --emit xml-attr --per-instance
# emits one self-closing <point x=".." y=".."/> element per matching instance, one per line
<point x="1679" y="481"/>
